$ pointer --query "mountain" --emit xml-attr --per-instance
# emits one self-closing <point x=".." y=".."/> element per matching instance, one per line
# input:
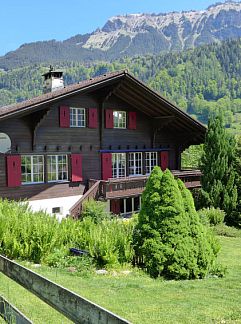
<point x="200" y="80"/>
<point x="136" y="34"/>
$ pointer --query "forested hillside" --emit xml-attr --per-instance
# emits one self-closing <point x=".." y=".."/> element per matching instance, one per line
<point x="199" y="81"/>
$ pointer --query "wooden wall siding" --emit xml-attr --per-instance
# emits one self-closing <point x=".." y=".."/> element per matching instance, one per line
<point x="75" y="140"/>
<point x="140" y="137"/>
<point x="19" y="132"/>
<point x="51" y="139"/>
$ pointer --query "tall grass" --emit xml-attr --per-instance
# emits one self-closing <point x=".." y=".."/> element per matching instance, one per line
<point x="35" y="236"/>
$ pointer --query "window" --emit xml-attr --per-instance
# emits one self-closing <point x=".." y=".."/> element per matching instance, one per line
<point x="57" y="167"/>
<point x="150" y="161"/>
<point x="118" y="165"/>
<point x="119" y="119"/>
<point x="135" y="163"/>
<point x="77" y="117"/>
<point x="128" y="206"/>
<point x="57" y="210"/>
<point x="32" y="167"/>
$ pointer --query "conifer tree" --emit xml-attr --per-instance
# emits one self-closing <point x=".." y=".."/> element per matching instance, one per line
<point x="217" y="166"/>
<point x="169" y="239"/>
<point x="206" y="246"/>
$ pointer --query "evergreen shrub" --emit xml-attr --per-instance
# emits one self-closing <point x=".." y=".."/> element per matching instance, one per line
<point x="169" y="238"/>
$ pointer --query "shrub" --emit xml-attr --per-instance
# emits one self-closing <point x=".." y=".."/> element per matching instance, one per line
<point x="169" y="239"/>
<point x="224" y="230"/>
<point x="96" y="210"/>
<point x="59" y="259"/>
<point x="212" y="216"/>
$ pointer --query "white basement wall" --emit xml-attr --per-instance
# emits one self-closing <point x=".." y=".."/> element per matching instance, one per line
<point x="58" y="206"/>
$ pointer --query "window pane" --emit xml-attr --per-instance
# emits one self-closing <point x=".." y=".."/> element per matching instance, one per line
<point x="77" y="117"/>
<point x="135" y="163"/>
<point x="118" y="165"/>
<point x="32" y="168"/>
<point x="119" y="119"/>
<point x="57" y="167"/>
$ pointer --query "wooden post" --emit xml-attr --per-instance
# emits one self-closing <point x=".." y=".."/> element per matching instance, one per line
<point x="71" y="305"/>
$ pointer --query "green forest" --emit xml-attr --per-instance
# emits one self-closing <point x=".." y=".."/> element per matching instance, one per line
<point x="200" y="81"/>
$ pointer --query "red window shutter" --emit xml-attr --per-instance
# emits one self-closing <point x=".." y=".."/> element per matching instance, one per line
<point x="93" y="118"/>
<point x="115" y="206"/>
<point x="13" y="170"/>
<point x="109" y="120"/>
<point x="106" y="166"/>
<point x="76" y="167"/>
<point x="164" y="160"/>
<point x="132" y="120"/>
<point x="64" y="116"/>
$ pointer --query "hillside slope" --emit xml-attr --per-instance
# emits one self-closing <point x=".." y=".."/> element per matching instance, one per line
<point x="199" y="81"/>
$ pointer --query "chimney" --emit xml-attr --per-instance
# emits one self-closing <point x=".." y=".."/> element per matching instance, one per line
<point x="53" y="80"/>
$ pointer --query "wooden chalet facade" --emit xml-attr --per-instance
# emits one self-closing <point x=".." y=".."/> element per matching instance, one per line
<point x="99" y="138"/>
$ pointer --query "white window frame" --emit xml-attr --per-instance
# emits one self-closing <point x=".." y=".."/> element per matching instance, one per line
<point x="137" y="156"/>
<point x="117" y="169"/>
<point x="55" y="158"/>
<point x="32" y="173"/>
<point x="132" y="205"/>
<point x="116" y="116"/>
<point x="77" y="117"/>
<point x="150" y="161"/>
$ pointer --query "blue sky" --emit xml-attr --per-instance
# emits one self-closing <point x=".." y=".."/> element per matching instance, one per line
<point x="25" y="21"/>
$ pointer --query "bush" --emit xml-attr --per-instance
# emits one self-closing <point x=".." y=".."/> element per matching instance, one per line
<point x="212" y="216"/>
<point x="59" y="259"/>
<point x="96" y="210"/>
<point x="224" y="230"/>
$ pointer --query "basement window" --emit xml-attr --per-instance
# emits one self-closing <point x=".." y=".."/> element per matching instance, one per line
<point x="56" y="210"/>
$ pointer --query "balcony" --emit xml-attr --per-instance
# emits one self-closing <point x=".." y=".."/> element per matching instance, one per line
<point x="129" y="187"/>
<point x="134" y="186"/>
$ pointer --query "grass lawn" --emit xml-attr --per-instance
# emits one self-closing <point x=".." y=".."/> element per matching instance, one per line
<point x="143" y="300"/>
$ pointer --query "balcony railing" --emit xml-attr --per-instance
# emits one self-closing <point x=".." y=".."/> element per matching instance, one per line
<point x="92" y="193"/>
<point x="129" y="187"/>
<point x="134" y="186"/>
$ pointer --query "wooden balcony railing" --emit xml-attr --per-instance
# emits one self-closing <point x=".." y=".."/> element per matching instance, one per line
<point x="134" y="186"/>
<point x="128" y="187"/>
<point x="92" y="193"/>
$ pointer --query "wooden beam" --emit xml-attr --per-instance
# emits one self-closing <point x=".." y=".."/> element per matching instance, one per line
<point x="133" y="102"/>
<point x="11" y="314"/>
<point x="71" y="305"/>
<point x="139" y="98"/>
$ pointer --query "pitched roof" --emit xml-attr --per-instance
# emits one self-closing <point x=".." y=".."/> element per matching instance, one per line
<point x="28" y="104"/>
<point x="131" y="89"/>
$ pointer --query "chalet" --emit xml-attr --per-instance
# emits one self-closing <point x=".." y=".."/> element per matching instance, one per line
<point x="98" y="138"/>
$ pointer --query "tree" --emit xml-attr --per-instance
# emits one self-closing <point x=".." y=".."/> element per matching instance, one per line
<point x="169" y="239"/>
<point x="236" y="215"/>
<point x="218" y="168"/>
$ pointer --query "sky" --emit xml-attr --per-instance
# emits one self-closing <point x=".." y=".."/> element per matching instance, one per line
<point x="26" y="21"/>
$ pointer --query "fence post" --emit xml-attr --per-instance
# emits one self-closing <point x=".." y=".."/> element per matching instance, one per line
<point x="76" y="308"/>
